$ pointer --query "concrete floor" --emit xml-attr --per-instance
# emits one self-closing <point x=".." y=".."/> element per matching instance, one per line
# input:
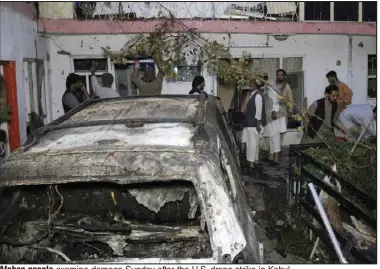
<point x="284" y="237"/>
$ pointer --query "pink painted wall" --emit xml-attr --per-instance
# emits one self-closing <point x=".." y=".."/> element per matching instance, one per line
<point x="209" y="26"/>
<point x="27" y="9"/>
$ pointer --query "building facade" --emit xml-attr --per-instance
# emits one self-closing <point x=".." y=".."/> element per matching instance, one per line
<point x="23" y="62"/>
<point x="307" y="39"/>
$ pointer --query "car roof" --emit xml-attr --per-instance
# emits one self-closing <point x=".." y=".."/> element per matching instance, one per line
<point x="125" y="123"/>
<point x="137" y="108"/>
<point x="122" y="110"/>
<point x="99" y="127"/>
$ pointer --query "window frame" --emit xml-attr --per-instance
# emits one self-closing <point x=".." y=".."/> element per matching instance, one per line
<point x="110" y="66"/>
<point x="33" y="105"/>
<point x="361" y="14"/>
<point x="332" y="8"/>
<point x="370" y="76"/>
<point x="177" y="68"/>
<point x="133" y="62"/>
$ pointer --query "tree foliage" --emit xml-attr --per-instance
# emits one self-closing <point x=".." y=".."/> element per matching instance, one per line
<point x="172" y="44"/>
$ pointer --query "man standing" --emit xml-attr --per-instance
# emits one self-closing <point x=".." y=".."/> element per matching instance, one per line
<point x="359" y="119"/>
<point x="149" y="84"/>
<point x="198" y="85"/>
<point x="271" y="130"/>
<point x="344" y="94"/>
<point x="286" y="102"/>
<point x="254" y="121"/>
<point x="323" y="117"/>
<point x="104" y="91"/>
<point x="75" y="93"/>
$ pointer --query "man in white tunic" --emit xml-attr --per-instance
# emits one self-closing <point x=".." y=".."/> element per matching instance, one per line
<point x="272" y="129"/>
<point x="105" y="90"/>
<point x="286" y="102"/>
<point x="254" y="121"/>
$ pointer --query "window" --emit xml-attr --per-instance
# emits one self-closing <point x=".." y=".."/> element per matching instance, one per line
<point x="82" y="67"/>
<point x="186" y="73"/>
<point x="294" y="70"/>
<point x="346" y="11"/>
<point x="372" y="77"/>
<point x="317" y="11"/>
<point x="123" y="82"/>
<point x="267" y="65"/>
<point x="35" y="93"/>
<point x="340" y="11"/>
<point x="369" y="11"/>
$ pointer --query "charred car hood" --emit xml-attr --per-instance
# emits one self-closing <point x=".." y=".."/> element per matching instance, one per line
<point x="121" y="164"/>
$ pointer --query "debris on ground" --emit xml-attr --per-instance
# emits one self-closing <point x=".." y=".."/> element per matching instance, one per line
<point x="284" y="236"/>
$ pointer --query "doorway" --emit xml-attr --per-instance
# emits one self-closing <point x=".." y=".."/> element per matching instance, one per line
<point x="8" y="87"/>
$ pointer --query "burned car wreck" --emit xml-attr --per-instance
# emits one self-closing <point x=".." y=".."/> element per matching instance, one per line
<point x="143" y="179"/>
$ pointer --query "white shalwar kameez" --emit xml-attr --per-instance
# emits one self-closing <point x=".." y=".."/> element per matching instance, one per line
<point x="252" y="136"/>
<point x="273" y="128"/>
<point x="244" y="132"/>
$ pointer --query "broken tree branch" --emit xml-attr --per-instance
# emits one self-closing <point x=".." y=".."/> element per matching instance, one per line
<point x="55" y="251"/>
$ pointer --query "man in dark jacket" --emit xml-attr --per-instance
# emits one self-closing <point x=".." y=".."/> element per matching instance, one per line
<point x="75" y="93"/>
<point x="197" y="85"/>
<point x="255" y="120"/>
<point x="323" y="117"/>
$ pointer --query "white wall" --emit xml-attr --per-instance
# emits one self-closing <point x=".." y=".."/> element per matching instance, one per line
<point x="359" y="63"/>
<point x="321" y="52"/>
<point x="19" y="40"/>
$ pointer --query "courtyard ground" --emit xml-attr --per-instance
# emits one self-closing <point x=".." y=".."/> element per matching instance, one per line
<point x="285" y="238"/>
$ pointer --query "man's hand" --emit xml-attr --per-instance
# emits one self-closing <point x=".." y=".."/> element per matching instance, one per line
<point x="84" y="91"/>
<point x="83" y="88"/>
<point x="274" y="116"/>
<point x="353" y="132"/>
<point x="258" y="127"/>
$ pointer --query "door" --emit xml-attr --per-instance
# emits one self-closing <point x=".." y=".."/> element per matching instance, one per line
<point x="9" y="86"/>
<point x="296" y="82"/>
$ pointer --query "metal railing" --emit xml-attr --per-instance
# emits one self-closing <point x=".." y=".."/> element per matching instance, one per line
<point x="352" y="200"/>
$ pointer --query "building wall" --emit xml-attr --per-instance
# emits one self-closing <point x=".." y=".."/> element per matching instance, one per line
<point x="321" y="53"/>
<point x="19" y="40"/>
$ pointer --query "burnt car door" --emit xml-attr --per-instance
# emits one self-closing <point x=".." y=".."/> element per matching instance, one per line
<point x="231" y="169"/>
